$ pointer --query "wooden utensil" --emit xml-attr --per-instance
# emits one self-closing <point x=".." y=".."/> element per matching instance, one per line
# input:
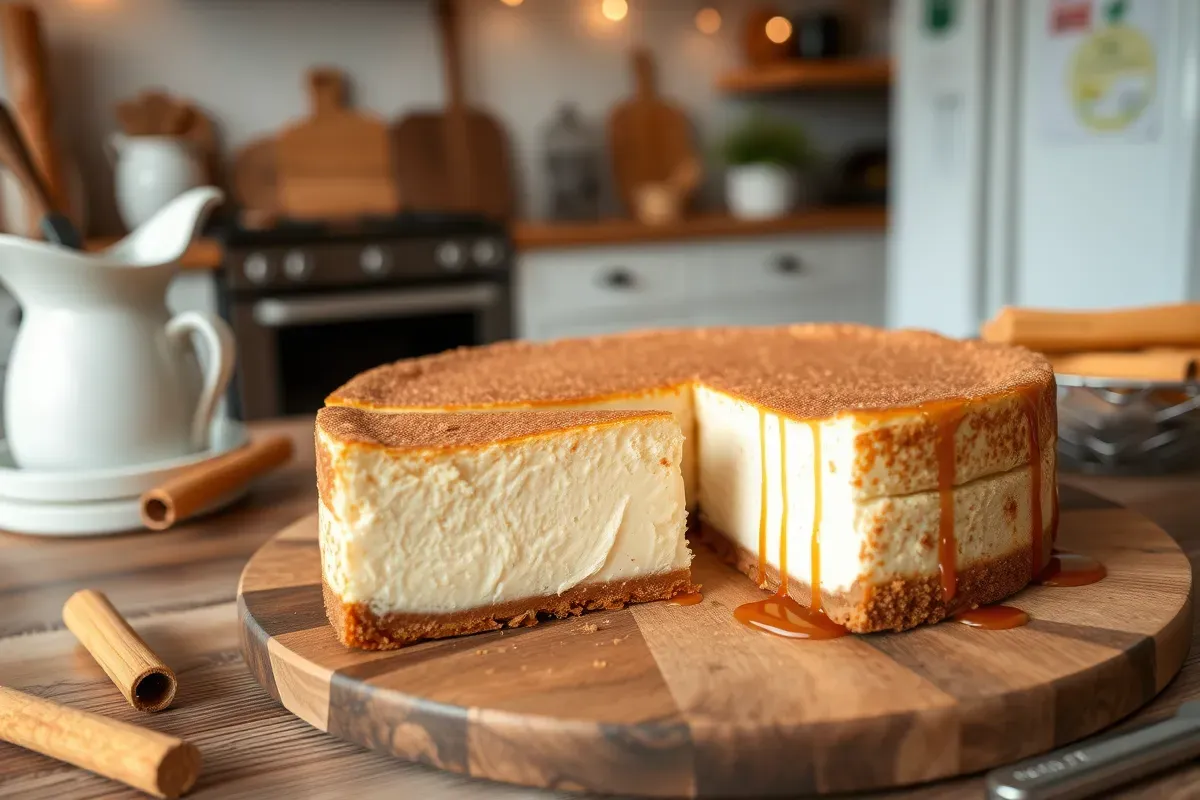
<point x="155" y="113"/>
<point x="147" y="683"/>
<point x="13" y="153"/>
<point x="26" y="75"/>
<point x="185" y="494"/>
<point x="154" y="762"/>
<point x="650" y="140"/>
<point x="337" y="163"/>
<point x="1076" y="331"/>
<point x="456" y="160"/>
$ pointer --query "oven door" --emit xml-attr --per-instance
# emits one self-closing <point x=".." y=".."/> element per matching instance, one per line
<point x="294" y="350"/>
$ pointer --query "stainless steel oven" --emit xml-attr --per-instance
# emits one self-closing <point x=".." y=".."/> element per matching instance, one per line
<point x="310" y="312"/>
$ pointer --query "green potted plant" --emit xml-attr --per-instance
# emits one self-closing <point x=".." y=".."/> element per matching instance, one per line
<point x="764" y="157"/>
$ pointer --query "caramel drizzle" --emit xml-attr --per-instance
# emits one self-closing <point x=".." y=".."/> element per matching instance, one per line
<point x="947" y="428"/>
<point x="993" y="618"/>
<point x="783" y="516"/>
<point x="1030" y="406"/>
<point x="762" y="508"/>
<point x="815" y="603"/>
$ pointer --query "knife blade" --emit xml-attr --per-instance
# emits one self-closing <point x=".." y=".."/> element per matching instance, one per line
<point x="1085" y="769"/>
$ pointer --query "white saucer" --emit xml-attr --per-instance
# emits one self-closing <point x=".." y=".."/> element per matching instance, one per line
<point x="110" y="484"/>
<point x="99" y="518"/>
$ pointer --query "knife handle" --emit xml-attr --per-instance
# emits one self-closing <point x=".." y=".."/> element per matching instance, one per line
<point x="1088" y="769"/>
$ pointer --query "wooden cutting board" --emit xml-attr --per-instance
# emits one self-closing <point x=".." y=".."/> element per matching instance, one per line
<point x="676" y="701"/>
<point x="457" y="159"/>
<point x="255" y="185"/>
<point x="649" y="139"/>
<point x="337" y="163"/>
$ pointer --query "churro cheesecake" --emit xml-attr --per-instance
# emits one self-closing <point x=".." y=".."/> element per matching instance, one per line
<point x="894" y="477"/>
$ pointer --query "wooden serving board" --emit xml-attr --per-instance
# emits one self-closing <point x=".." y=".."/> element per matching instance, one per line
<point x="665" y="700"/>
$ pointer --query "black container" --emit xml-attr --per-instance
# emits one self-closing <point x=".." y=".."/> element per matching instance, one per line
<point x="818" y="35"/>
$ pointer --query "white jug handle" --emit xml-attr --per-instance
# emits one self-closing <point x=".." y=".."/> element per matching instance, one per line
<point x="218" y="367"/>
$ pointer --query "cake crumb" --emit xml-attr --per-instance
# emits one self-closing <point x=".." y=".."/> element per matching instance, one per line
<point x="599" y="664"/>
<point x="481" y="652"/>
<point x="590" y="627"/>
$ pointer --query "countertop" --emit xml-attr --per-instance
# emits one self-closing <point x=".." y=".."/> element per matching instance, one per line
<point x="178" y="588"/>
<point x="206" y="254"/>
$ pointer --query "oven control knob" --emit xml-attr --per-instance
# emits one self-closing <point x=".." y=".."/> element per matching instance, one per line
<point x="450" y="256"/>
<point x="297" y="265"/>
<point x="374" y="261"/>
<point x="257" y="268"/>
<point x="487" y="252"/>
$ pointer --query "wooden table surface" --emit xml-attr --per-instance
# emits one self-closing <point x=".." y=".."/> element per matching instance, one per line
<point x="178" y="588"/>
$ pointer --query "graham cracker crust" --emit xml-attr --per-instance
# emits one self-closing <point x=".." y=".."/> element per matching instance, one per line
<point x="897" y="605"/>
<point x="357" y="626"/>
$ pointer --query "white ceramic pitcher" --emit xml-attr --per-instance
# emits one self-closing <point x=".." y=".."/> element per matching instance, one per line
<point x="151" y="171"/>
<point x="101" y="374"/>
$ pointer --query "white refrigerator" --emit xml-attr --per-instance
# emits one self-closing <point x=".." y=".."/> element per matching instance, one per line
<point x="1044" y="154"/>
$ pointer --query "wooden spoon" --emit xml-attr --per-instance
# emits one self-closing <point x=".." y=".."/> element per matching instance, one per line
<point x="15" y="155"/>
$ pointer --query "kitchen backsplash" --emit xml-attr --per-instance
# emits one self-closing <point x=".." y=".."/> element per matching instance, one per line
<point x="244" y="60"/>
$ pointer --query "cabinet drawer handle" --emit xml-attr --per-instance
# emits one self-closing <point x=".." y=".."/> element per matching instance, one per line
<point x="787" y="264"/>
<point x="618" y="278"/>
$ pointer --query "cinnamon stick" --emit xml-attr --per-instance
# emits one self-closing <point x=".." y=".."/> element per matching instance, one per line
<point x="1080" y="331"/>
<point x="154" y="762"/>
<point x="1146" y="365"/>
<point x="147" y="683"/>
<point x="185" y="494"/>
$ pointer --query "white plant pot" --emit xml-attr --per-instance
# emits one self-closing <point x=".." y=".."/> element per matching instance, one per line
<point x="760" y="191"/>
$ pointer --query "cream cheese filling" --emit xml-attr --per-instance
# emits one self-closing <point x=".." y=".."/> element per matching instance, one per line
<point x="436" y="532"/>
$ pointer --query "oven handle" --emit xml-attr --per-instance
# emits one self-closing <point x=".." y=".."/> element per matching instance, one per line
<point x="282" y="313"/>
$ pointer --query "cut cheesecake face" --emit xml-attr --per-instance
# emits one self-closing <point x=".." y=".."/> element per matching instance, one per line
<point x="917" y="472"/>
<point x="437" y="525"/>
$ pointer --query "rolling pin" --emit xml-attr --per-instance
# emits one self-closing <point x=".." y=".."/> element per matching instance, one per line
<point x="29" y="93"/>
<point x="1083" y="331"/>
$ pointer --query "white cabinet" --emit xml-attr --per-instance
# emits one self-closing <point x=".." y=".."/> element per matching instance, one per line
<point x="766" y="281"/>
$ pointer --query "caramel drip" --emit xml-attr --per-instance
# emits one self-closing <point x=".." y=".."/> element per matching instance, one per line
<point x="1071" y="569"/>
<point x="762" y="508"/>
<point x="690" y="599"/>
<point x="781" y="615"/>
<point x="1054" y="516"/>
<point x="947" y="427"/>
<point x="1030" y="403"/>
<point x="783" y="516"/>
<point x="815" y="603"/>
<point x="993" y="618"/>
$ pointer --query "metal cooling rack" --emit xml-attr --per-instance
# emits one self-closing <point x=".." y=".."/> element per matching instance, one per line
<point x="1123" y="427"/>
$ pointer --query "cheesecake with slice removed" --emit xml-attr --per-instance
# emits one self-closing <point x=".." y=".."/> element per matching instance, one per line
<point x="439" y="525"/>
<point x="894" y="477"/>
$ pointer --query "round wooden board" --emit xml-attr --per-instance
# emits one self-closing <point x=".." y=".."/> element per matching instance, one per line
<point x="684" y="701"/>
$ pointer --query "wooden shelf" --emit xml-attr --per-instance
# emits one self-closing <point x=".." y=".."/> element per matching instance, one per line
<point x="854" y="73"/>
<point x="548" y="235"/>
<point x="203" y="254"/>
